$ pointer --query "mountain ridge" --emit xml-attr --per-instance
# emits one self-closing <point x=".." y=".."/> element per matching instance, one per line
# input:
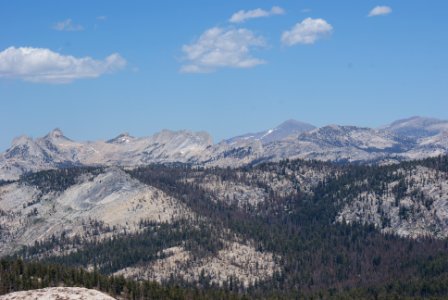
<point x="411" y="138"/>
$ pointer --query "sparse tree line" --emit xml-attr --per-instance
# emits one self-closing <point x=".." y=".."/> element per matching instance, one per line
<point x="17" y="275"/>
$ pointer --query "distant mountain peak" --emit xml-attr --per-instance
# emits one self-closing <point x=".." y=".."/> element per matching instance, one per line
<point x="416" y="121"/>
<point x="23" y="148"/>
<point x="287" y="128"/>
<point x="122" y="138"/>
<point x="331" y="126"/>
<point x="293" y="122"/>
<point x="418" y="127"/>
<point x="56" y="134"/>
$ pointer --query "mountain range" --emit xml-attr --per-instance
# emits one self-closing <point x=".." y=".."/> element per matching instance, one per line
<point x="244" y="215"/>
<point x="412" y="138"/>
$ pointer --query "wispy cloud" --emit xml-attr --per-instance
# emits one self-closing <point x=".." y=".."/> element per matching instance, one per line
<point x="67" y="25"/>
<point x="44" y="65"/>
<point x="380" y="11"/>
<point x="244" y="15"/>
<point x="218" y="48"/>
<point x="306" y="32"/>
<point x="101" y="18"/>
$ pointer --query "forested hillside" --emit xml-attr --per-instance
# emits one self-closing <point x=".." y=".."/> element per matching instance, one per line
<point x="276" y="230"/>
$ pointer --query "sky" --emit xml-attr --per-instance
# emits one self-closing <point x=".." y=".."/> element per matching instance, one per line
<point x="96" y="69"/>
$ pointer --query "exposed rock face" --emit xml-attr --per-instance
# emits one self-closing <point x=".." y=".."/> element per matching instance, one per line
<point x="420" y="210"/>
<point x="58" y="293"/>
<point x="249" y="189"/>
<point x="96" y="207"/>
<point x="235" y="260"/>
<point x="232" y="192"/>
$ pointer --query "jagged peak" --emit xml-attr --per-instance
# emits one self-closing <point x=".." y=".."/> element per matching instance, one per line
<point x="56" y="134"/>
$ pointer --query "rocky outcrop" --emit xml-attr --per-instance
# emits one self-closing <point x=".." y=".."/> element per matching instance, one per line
<point x="58" y="293"/>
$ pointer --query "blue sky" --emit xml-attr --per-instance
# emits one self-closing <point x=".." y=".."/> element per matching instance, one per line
<point x="99" y="68"/>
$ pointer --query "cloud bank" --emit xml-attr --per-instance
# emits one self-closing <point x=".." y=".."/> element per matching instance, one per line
<point x="44" y="65"/>
<point x="243" y="15"/>
<point x="218" y="47"/>
<point x="307" y="32"/>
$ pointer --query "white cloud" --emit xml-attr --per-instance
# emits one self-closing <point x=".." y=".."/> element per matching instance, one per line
<point x="44" y="65"/>
<point x="380" y="11"/>
<point x="244" y="15"/>
<point x="67" y="25"/>
<point x="306" y="32"/>
<point x="101" y="18"/>
<point x="218" y="47"/>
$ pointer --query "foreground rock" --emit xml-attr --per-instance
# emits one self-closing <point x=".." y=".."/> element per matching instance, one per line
<point x="59" y="293"/>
